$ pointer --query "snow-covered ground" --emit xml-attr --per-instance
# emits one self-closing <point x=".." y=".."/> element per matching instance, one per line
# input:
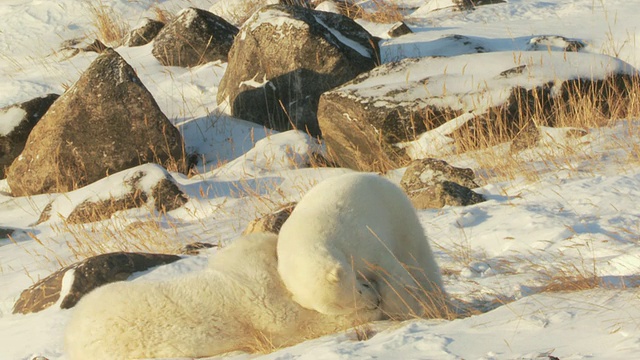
<point x="571" y="211"/>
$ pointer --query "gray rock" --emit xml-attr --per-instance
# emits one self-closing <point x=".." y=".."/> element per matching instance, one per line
<point x="143" y="34"/>
<point x="194" y="37"/>
<point x="432" y="183"/>
<point x="106" y="122"/>
<point x="445" y="193"/>
<point x="284" y="57"/>
<point x="271" y="222"/>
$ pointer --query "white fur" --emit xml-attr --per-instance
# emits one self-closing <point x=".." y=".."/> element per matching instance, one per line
<point x="348" y="244"/>
<point x="224" y="308"/>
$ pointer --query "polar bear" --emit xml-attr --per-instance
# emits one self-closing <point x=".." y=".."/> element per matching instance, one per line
<point x="354" y="240"/>
<point x="232" y="305"/>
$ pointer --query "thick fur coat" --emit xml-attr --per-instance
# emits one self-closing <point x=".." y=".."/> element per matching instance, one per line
<point x="354" y="242"/>
<point x="238" y="303"/>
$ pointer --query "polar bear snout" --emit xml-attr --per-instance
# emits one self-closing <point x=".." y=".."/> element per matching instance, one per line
<point x="371" y="286"/>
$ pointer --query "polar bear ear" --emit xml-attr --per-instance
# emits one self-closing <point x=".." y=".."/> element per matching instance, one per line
<point x="335" y="275"/>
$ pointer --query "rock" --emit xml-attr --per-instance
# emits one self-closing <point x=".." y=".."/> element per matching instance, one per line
<point x="331" y="6"/>
<point x="144" y="33"/>
<point x="271" y="222"/>
<point x="238" y="11"/>
<point x="531" y="136"/>
<point x="399" y="29"/>
<point x="5" y="232"/>
<point x="428" y="172"/>
<point x="445" y="193"/>
<point x="72" y="47"/>
<point x="280" y="88"/>
<point x="106" y="122"/>
<point x="146" y="184"/>
<point x="432" y="183"/>
<point x="463" y="5"/>
<point x="528" y="137"/>
<point x="555" y="43"/>
<point x="67" y="285"/>
<point x="195" y="248"/>
<point x="367" y="122"/>
<point x="194" y="37"/>
<point x="16" y="122"/>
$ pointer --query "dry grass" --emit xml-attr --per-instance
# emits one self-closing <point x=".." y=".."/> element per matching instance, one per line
<point x="585" y="107"/>
<point x="379" y="11"/>
<point x="149" y="236"/>
<point x="109" y="27"/>
<point x="161" y="14"/>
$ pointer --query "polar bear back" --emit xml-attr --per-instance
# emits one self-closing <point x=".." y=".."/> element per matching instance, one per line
<point x="361" y="223"/>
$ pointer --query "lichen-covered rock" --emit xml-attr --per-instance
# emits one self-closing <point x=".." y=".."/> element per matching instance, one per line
<point x="445" y="193"/>
<point x="194" y="37"/>
<point x="432" y="183"/>
<point x="271" y="222"/>
<point x="426" y="172"/>
<point x="144" y="33"/>
<point x="69" y="284"/>
<point x="106" y="122"/>
<point x="284" y="57"/>
<point x="16" y="122"/>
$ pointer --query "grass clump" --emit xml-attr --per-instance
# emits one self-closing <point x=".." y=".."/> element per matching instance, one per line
<point x="109" y="27"/>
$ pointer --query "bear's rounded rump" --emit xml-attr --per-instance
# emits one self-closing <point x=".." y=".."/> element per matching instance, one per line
<point x="354" y="240"/>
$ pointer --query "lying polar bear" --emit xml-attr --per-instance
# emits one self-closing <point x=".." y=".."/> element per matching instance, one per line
<point x="227" y="307"/>
<point x="353" y="239"/>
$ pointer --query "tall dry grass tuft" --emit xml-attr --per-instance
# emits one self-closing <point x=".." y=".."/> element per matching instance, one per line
<point x="109" y="27"/>
<point x="582" y="107"/>
<point x="379" y="11"/>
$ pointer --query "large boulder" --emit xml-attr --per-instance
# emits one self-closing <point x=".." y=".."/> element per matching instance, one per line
<point x="284" y="57"/>
<point x="106" y="122"/>
<point x="16" y="122"/>
<point x="194" y="37"/>
<point x="369" y="122"/>
<point x="148" y="184"/>
<point x="68" y="285"/>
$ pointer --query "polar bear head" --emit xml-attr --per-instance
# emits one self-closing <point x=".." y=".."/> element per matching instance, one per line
<point x="336" y="290"/>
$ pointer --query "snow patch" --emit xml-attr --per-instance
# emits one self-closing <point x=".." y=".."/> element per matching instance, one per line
<point x="362" y="50"/>
<point x="10" y="118"/>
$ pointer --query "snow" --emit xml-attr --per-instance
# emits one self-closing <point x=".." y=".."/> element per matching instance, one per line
<point x="10" y="118"/>
<point x="361" y="49"/>
<point x="570" y="208"/>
